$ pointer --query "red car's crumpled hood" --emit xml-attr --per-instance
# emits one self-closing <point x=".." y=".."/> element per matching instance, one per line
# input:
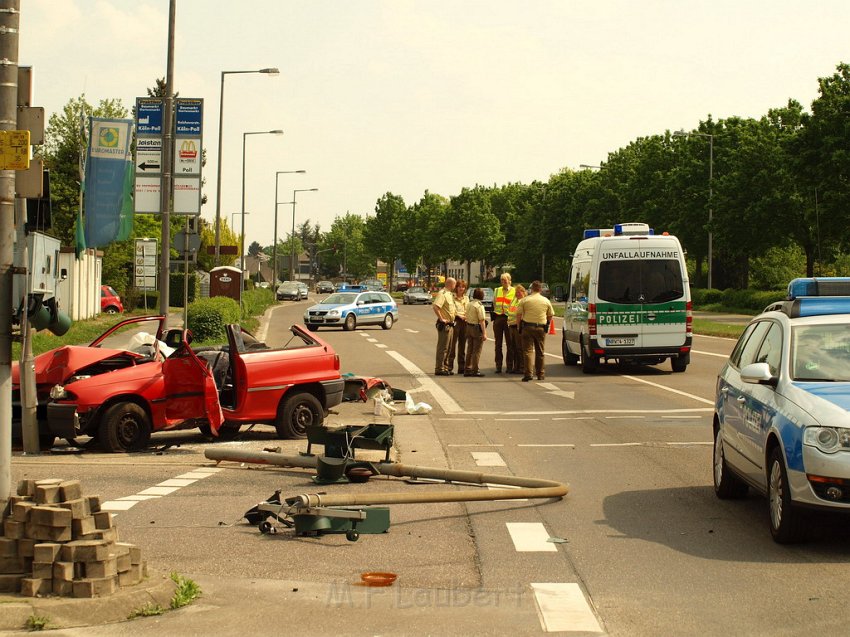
<point x="57" y="365"/>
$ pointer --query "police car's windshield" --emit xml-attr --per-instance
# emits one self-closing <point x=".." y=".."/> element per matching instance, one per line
<point x="821" y="353"/>
<point x="340" y="299"/>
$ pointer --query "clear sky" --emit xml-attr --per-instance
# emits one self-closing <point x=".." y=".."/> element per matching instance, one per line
<point x="409" y="95"/>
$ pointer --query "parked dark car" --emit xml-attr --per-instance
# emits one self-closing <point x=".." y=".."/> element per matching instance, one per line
<point x="324" y="287"/>
<point x="488" y="297"/>
<point x="415" y="295"/>
<point x="373" y="285"/>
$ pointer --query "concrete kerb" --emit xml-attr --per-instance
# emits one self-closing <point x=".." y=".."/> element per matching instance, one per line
<point x="69" y="612"/>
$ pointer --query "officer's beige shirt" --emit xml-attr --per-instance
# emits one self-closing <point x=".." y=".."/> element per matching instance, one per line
<point x="461" y="304"/>
<point x="475" y="312"/>
<point x="534" y="308"/>
<point x="444" y="302"/>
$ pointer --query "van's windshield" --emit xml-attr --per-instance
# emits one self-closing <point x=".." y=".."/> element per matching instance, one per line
<point x="640" y="281"/>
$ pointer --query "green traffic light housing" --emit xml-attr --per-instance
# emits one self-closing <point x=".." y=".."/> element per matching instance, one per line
<point x="44" y="314"/>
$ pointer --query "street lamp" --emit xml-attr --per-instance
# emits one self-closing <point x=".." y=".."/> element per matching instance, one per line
<point x="682" y="133"/>
<point x="276" y="204"/>
<point x="292" y="237"/>
<point x="586" y="166"/>
<point x="244" y="138"/>
<point x="268" y="71"/>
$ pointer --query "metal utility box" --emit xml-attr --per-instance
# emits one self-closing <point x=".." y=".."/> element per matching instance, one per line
<point x="42" y="267"/>
<point x="226" y="281"/>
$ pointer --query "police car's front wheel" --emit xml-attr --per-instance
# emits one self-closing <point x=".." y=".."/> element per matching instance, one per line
<point x="786" y="523"/>
<point x="350" y="323"/>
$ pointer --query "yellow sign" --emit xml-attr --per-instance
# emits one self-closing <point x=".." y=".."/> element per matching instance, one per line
<point x="14" y="150"/>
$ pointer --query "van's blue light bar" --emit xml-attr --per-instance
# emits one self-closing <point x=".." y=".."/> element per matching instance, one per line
<point x="590" y="234"/>
<point x="819" y="287"/>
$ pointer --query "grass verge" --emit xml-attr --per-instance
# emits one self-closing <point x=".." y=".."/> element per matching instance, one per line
<point x="712" y="328"/>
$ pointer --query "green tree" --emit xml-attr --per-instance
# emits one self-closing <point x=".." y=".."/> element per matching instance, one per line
<point x="382" y="234"/>
<point x="426" y="239"/>
<point x="475" y="231"/>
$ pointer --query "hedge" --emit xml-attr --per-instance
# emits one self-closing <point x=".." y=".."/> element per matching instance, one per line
<point x="736" y="300"/>
<point x="208" y="317"/>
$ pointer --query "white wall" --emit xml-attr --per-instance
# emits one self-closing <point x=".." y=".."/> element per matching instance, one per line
<point x="79" y="294"/>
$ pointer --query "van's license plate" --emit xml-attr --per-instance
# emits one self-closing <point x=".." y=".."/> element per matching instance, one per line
<point x="611" y="342"/>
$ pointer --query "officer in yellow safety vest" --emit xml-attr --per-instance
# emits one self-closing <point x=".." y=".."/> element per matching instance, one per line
<point x="503" y="298"/>
<point x="516" y="337"/>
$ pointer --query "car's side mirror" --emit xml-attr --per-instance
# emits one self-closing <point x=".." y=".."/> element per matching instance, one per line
<point x="758" y="374"/>
<point x="174" y="338"/>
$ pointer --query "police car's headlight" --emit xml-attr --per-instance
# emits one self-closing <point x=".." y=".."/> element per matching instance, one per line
<point x="333" y="313"/>
<point x="57" y="392"/>
<point x="827" y="439"/>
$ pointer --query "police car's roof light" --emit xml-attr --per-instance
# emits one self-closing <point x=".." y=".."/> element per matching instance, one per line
<point x="819" y="286"/>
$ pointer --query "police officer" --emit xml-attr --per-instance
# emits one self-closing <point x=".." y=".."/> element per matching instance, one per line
<point x="533" y="315"/>
<point x="476" y="333"/>
<point x="503" y="297"/>
<point x="513" y="328"/>
<point x="444" y="307"/>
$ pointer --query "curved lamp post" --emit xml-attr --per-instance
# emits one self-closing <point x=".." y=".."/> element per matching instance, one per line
<point x="242" y="240"/>
<point x="267" y="71"/>
<point x="292" y="237"/>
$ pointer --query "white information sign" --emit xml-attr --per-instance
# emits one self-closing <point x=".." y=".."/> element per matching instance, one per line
<point x="187" y="195"/>
<point x="148" y="193"/>
<point x="145" y="264"/>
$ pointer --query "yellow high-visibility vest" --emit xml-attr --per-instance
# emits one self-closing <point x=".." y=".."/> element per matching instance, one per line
<point x="502" y="300"/>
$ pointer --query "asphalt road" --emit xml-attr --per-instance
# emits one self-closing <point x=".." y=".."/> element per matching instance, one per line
<point x="642" y="546"/>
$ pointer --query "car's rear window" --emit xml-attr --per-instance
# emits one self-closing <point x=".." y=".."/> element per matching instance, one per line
<point x="636" y="281"/>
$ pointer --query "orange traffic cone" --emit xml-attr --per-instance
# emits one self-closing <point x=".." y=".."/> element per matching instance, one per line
<point x="552" y="327"/>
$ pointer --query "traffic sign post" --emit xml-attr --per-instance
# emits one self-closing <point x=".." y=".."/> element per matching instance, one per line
<point x="188" y="141"/>
<point x="149" y="115"/>
<point x="145" y="264"/>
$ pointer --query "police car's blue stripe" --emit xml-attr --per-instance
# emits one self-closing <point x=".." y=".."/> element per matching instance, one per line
<point x="836" y="393"/>
<point x="792" y="439"/>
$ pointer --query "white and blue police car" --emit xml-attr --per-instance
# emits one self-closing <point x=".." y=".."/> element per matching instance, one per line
<point x="782" y="407"/>
<point x="350" y="306"/>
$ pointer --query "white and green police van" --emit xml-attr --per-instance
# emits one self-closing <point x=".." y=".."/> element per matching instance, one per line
<point x="629" y="300"/>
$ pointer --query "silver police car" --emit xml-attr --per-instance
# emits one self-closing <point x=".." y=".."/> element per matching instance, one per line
<point x="350" y="307"/>
<point x="782" y="407"/>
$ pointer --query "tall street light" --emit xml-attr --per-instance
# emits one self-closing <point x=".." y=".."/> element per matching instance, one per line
<point x="588" y="166"/>
<point x="268" y="71"/>
<point x="276" y="204"/>
<point x="682" y="133"/>
<point x="292" y="237"/>
<point x="244" y="138"/>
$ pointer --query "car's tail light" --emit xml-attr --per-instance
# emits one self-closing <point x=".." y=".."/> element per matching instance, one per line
<point x="591" y="319"/>
<point x="689" y="318"/>
<point x="336" y="362"/>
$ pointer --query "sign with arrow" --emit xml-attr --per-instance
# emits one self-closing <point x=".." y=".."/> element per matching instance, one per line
<point x="148" y="162"/>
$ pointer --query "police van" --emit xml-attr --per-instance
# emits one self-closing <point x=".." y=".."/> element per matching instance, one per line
<point x="628" y="301"/>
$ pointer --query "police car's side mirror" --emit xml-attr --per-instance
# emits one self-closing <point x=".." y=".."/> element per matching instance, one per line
<point x="758" y="374"/>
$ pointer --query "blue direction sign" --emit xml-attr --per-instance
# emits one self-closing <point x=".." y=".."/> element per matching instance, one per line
<point x="148" y="116"/>
<point x="189" y="117"/>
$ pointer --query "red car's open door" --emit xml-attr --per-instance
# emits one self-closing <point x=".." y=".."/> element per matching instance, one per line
<point x="190" y="390"/>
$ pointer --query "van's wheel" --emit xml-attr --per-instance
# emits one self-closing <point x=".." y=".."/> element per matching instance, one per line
<point x="680" y="363"/>
<point x="589" y="364"/>
<point x="124" y="427"/>
<point x="296" y="413"/>
<point x="388" y="322"/>
<point x="786" y="521"/>
<point x="570" y="359"/>
<point x="350" y="323"/>
<point x="726" y="484"/>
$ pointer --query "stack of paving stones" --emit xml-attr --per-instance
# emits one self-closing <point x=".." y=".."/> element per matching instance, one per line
<point x="56" y="541"/>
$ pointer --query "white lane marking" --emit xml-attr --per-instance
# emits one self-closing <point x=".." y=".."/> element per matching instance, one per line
<point x="579" y="418"/>
<point x="407" y="329"/>
<point x="530" y="537"/>
<point x="140" y="498"/>
<point x="176" y="482"/>
<point x="474" y="445"/>
<point x="552" y="355"/>
<point x="552" y="445"/>
<point x="683" y="417"/>
<point x="116" y="505"/>
<point x="440" y="395"/>
<point x="563" y="394"/>
<point x="450" y="419"/>
<point x="158" y="491"/>
<point x="372" y="340"/>
<point x="163" y="488"/>
<point x="488" y="459"/>
<point x="364" y="334"/>
<point x="617" y="444"/>
<point x="516" y="419"/>
<point x="684" y="444"/>
<point x="624" y="417"/>
<point x="697" y="351"/>
<point x="381" y="345"/>
<point x="716" y="338"/>
<point x="562" y="607"/>
<point x="549" y="386"/>
<point x="670" y="389"/>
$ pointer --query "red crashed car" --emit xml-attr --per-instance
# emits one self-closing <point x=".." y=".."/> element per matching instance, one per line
<point x="135" y="379"/>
